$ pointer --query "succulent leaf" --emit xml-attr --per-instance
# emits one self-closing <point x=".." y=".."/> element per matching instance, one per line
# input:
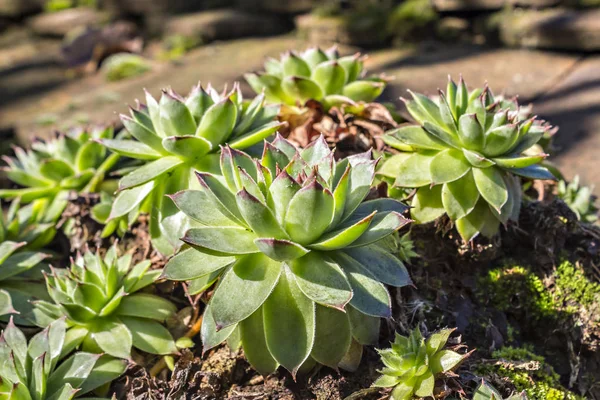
<point x="460" y="155"/>
<point x="313" y="74"/>
<point x="174" y="137"/>
<point x="97" y="297"/>
<point x="289" y="213"/>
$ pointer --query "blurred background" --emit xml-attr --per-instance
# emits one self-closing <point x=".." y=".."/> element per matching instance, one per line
<point x="70" y="62"/>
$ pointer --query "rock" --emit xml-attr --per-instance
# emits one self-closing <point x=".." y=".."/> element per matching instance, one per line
<point x="319" y="29"/>
<point x="207" y="26"/>
<point x="556" y="29"/>
<point x="59" y="23"/>
<point x="276" y="6"/>
<point x="488" y="5"/>
<point x="453" y="28"/>
<point x="18" y="8"/>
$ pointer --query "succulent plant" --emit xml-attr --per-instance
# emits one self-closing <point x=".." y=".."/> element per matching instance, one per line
<point x="38" y="370"/>
<point x="318" y="75"/>
<point x="20" y="279"/>
<point x="101" y="214"/>
<point x="175" y="136"/>
<point x="52" y="168"/>
<point x="485" y="391"/>
<point x="465" y="158"/>
<point x="28" y="224"/>
<point x="579" y="199"/>
<point x="295" y="250"/>
<point x="124" y="65"/>
<point x="412" y="364"/>
<point x="102" y="309"/>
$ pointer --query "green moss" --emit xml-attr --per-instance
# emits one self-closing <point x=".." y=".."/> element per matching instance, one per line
<point x="511" y="288"/>
<point x="59" y="5"/>
<point x="527" y="372"/>
<point x="411" y="15"/>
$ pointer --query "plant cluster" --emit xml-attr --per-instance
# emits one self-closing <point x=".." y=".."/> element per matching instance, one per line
<point x="485" y="391"/>
<point x="294" y="246"/>
<point x="579" y="199"/>
<point x="465" y="157"/>
<point x="291" y="247"/>
<point x="413" y="364"/>
<point x="316" y="74"/>
<point x="44" y="368"/>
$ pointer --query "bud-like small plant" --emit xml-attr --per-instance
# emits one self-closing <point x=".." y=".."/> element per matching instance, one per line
<point x="295" y="248"/>
<point x="68" y="162"/>
<point x="32" y="225"/>
<point x="413" y="364"/>
<point x="103" y="311"/>
<point x="175" y="136"/>
<point x="579" y="198"/>
<point x="465" y="158"/>
<point x="20" y="279"/>
<point x="485" y="391"/>
<point x="38" y="370"/>
<point x="316" y="75"/>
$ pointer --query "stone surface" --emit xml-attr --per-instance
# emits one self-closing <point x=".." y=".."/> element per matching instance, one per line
<point x="557" y="29"/>
<point x="574" y="105"/>
<point x="487" y="5"/>
<point x="59" y="23"/>
<point x="318" y="30"/>
<point x="276" y="6"/>
<point x="207" y="26"/>
<point x="18" y="8"/>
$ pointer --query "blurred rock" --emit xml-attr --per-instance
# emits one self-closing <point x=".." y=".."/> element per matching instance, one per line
<point x="18" y="8"/>
<point x="453" y="28"/>
<point x="59" y="23"/>
<point x="276" y="6"/>
<point x="317" y="30"/>
<point x="90" y="44"/>
<point x="488" y="5"/>
<point x="556" y="29"/>
<point x="207" y="26"/>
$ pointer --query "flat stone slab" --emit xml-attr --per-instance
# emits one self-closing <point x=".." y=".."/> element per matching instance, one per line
<point x="58" y="24"/>
<point x="556" y="29"/>
<point x="94" y="100"/>
<point x="226" y="24"/>
<point x="574" y="106"/>
<point x="525" y="73"/>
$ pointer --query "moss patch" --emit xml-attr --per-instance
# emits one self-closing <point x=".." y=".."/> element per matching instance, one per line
<point x="519" y="369"/>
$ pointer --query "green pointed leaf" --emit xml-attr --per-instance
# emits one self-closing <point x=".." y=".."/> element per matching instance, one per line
<point x="309" y="213"/>
<point x="244" y="288"/>
<point x="322" y="280"/>
<point x="20" y="263"/>
<point x="499" y="140"/>
<point x="415" y="170"/>
<point x="292" y="64"/>
<point x="127" y="200"/>
<point x="175" y="118"/>
<point x="191" y="148"/>
<point x="218" y="122"/>
<point x="150" y="336"/>
<point x="289" y="320"/>
<point x="56" y="170"/>
<point x="353" y="66"/>
<point x="427" y="204"/>
<point x="366" y="91"/>
<point x="203" y="283"/>
<point x="519" y="162"/>
<point x="149" y="172"/>
<point x="211" y="337"/>
<point x="534" y="172"/>
<point x="279" y="249"/>
<point x="444" y="361"/>
<point x="416" y="137"/>
<point x="365" y="328"/>
<point x="426" y="385"/>
<point x="386" y="381"/>
<point x="221" y="241"/>
<point x="476" y="159"/>
<point x="191" y="264"/>
<point x="471" y="132"/>
<point x="330" y="76"/>
<point x="486" y="392"/>
<point x="369" y="295"/>
<point x="262" y="132"/>
<point x="491" y="186"/>
<point x="113" y="337"/>
<point x="332" y="336"/>
<point x="384" y="266"/>
<point x="105" y="370"/>
<point x="145" y="305"/>
<point x="342" y="238"/>
<point x="131" y="148"/>
<point x="221" y="197"/>
<point x="258" y="216"/>
<point x="302" y="89"/>
<point x="281" y="191"/>
<point x="197" y="205"/>
<point x="383" y="225"/>
<point x="271" y="85"/>
<point x="142" y="133"/>
<point x="470" y="225"/>
<point x="74" y="371"/>
<point x="459" y="197"/>
<point x="252" y="332"/>
<point x="361" y="177"/>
